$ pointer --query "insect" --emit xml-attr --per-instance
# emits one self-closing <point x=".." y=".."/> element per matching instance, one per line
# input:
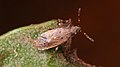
<point x="62" y="34"/>
<point x="57" y="36"/>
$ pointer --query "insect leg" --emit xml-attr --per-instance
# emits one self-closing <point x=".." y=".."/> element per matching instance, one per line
<point x="88" y="37"/>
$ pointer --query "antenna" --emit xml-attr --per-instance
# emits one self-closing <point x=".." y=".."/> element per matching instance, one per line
<point x="87" y="36"/>
<point x="79" y="10"/>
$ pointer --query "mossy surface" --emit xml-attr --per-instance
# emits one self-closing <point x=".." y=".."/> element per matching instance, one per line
<point x="17" y="49"/>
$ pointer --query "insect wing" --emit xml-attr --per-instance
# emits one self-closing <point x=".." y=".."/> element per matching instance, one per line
<point x="52" y="38"/>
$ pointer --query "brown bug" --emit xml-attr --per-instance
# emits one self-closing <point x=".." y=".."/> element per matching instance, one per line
<point x="63" y="33"/>
<point x="57" y="36"/>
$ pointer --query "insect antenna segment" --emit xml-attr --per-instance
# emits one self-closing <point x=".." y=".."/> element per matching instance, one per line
<point x="85" y="34"/>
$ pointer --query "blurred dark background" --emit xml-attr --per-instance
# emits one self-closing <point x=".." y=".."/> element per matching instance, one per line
<point x="100" y="19"/>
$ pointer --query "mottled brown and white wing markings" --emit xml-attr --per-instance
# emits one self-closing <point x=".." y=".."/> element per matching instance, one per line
<point x="55" y="37"/>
